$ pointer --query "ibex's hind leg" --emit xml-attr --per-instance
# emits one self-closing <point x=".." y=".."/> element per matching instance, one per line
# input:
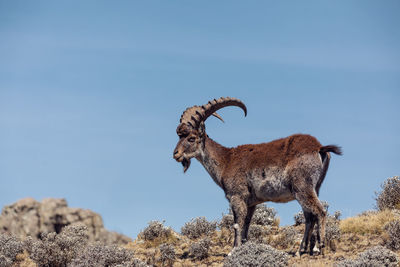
<point x="239" y="209"/>
<point x="247" y="221"/>
<point x="321" y="224"/>
<point x="310" y="222"/>
<point x="310" y="203"/>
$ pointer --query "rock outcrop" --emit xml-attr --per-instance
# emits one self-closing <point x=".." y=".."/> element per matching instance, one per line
<point x="28" y="217"/>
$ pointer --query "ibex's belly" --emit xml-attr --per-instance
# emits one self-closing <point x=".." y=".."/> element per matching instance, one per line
<point x="271" y="185"/>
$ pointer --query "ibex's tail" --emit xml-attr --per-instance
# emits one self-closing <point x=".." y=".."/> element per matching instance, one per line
<point x="325" y="157"/>
<point x="331" y="148"/>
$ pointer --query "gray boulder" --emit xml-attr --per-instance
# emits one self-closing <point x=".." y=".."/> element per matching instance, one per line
<point x="28" y="217"/>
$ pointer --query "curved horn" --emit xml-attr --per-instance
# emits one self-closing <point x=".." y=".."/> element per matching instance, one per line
<point x="193" y="116"/>
<point x="215" y="114"/>
<point x="216" y="104"/>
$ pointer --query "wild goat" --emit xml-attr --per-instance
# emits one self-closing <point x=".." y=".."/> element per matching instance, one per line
<point x="280" y="171"/>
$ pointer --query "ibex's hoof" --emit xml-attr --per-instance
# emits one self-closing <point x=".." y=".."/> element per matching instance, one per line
<point x="316" y="250"/>
<point x="300" y="253"/>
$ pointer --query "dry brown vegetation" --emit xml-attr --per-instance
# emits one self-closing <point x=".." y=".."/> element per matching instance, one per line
<point x="159" y="245"/>
<point x="368" y="239"/>
<point x="368" y="223"/>
<point x="358" y="234"/>
<point x="371" y="238"/>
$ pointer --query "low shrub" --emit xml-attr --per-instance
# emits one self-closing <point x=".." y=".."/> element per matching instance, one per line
<point x="332" y="229"/>
<point x="199" y="250"/>
<point x="167" y="252"/>
<point x="5" y="262"/>
<point x="393" y="231"/>
<point x="10" y="247"/>
<point x="133" y="263"/>
<point x="337" y="215"/>
<point x="198" y="227"/>
<point x="299" y="218"/>
<point x="227" y="221"/>
<point x="257" y="232"/>
<point x="286" y="238"/>
<point x="156" y="229"/>
<point x="57" y="250"/>
<point x="256" y="255"/>
<point x="376" y="256"/>
<point x="72" y="239"/>
<point x="389" y="197"/>
<point x="101" y="255"/>
<point x="264" y="215"/>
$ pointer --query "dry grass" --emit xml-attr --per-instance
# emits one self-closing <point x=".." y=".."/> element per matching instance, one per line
<point x="170" y="237"/>
<point x="148" y="251"/>
<point x="367" y="223"/>
<point x="23" y="260"/>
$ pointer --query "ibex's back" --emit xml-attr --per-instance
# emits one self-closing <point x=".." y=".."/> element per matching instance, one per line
<point x="282" y="170"/>
<point x="277" y="153"/>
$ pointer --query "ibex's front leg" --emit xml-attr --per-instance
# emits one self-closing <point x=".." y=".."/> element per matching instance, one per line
<point x="239" y="209"/>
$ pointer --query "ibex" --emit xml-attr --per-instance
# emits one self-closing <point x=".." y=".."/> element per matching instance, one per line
<point x="280" y="171"/>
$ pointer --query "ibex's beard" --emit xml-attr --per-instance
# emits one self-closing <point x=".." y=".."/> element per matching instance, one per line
<point x="185" y="164"/>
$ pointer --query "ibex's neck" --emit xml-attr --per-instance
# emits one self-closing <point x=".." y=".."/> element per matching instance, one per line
<point x="214" y="158"/>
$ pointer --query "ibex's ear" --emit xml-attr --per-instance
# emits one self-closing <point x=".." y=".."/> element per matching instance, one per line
<point x="182" y="129"/>
<point x="202" y="129"/>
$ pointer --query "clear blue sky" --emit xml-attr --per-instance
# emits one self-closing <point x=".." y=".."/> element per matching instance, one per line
<point x="91" y="93"/>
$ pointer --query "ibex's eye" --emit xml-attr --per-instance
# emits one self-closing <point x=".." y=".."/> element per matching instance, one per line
<point x="192" y="139"/>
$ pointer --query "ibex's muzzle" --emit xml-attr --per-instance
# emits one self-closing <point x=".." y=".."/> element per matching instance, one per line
<point x="178" y="156"/>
